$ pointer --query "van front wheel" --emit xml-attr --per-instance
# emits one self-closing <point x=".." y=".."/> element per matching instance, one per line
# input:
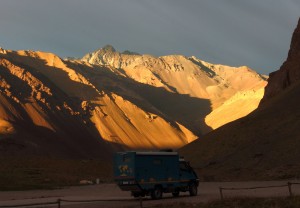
<point x="156" y="193"/>
<point x="193" y="189"/>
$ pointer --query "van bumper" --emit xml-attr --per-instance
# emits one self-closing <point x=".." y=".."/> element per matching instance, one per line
<point x="134" y="188"/>
<point x="128" y="185"/>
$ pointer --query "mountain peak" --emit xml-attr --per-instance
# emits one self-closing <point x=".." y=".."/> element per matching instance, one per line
<point x="127" y="52"/>
<point x="108" y="48"/>
<point x="294" y="51"/>
<point x="2" y="50"/>
<point x="97" y="55"/>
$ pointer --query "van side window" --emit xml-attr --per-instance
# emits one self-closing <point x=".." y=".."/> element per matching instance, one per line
<point x="157" y="162"/>
<point x="126" y="159"/>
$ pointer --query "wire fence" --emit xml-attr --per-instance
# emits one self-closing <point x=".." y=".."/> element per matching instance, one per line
<point x="33" y="204"/>
<point x="289" y="185"/>
<point x="59" y="202"/>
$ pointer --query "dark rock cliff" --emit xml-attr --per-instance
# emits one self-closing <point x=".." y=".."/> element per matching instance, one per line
<point x="289" y="72"/>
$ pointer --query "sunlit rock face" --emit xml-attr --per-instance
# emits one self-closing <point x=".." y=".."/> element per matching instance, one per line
<point x="109" y="101"/>
<point x="232" y="92"/>
<point x="79" y="109"/>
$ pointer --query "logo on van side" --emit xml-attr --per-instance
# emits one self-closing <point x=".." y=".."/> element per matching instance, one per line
<point x="124" y="170"/>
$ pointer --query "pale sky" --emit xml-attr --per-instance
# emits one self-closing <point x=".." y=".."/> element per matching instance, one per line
<point x="255" y="33"/>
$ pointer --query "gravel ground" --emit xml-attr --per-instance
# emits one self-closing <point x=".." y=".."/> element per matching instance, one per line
<point x="207" y="191"/>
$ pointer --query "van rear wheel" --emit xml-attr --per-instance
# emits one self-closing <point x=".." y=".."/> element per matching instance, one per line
<point x="193" y="189"/>
<point x="175" y="193"/>
<point x="156" y="193"/>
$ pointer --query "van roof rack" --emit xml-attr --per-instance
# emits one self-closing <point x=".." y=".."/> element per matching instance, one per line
<point x="166" y="150"/>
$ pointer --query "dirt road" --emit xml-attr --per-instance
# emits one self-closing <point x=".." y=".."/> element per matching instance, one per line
<point x="207" y="191"/>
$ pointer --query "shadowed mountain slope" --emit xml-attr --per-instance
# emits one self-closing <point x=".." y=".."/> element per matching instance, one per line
<point x="37" y="117"/>
<point x="289" y="72"/>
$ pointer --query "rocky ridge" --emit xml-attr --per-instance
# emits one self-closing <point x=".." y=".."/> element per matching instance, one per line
<point x="191" y="76"/>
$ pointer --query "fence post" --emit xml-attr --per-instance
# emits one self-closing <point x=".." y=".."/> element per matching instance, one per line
<point x="290" y="189"/>
<point x="58" y="202"/>
<point x="221" y="193"/>
<point x="141" y="202"/>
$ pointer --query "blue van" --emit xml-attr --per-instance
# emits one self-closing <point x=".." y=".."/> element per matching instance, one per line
<point x="154" y="173"/>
